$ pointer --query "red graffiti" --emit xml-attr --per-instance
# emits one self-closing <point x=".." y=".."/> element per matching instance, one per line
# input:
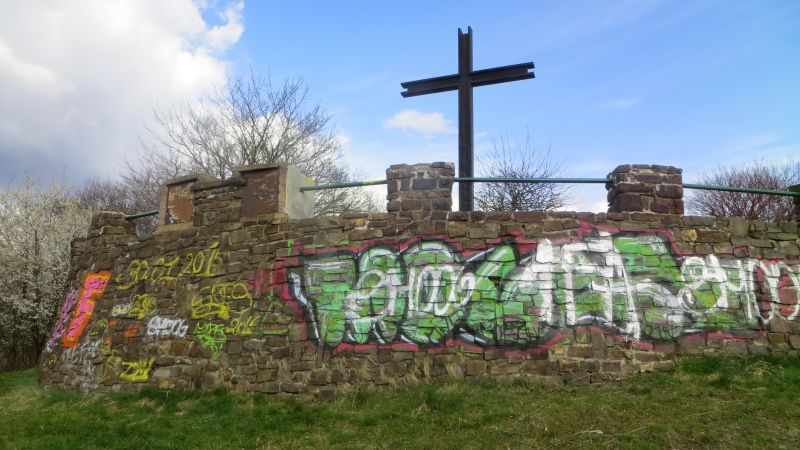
<point x="788" y="294"/>
<point x="266" y="282"/>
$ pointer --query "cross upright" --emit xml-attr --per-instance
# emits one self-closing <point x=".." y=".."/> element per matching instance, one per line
<point x="464" y="81"/>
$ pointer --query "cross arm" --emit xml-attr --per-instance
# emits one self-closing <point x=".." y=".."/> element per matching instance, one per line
<point x="502" y="74"/>
<point x="430" y="85"/>
<point x="476" y="78"/>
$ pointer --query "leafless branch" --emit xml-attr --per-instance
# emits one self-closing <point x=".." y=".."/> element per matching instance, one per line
<point x="250" y="121"/>
<point x="760" y="174"/>
<point x="508" y="159"/>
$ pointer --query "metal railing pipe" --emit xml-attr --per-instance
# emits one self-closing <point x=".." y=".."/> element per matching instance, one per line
<point x="342" y="185"/>
<point x="531" y="180"/>
<point x="142" y="214"/>
<point x="708" y="187"/>
<point x="555" y="180"/>
<point x="347" y="184"/>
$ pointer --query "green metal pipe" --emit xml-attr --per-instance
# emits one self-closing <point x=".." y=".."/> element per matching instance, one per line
<point x="532" y="180"/>
<point x="342" y="185"/>
<point x="540" y="180"/>
<point x="740" y="189"/>
<point x="142" y="214"/>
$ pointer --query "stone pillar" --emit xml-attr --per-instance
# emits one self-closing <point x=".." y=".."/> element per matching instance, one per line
<point x="109" y="235"/>
<point x="420" y="188"/>
<point x="275" y="188"/>
<point x="796" y="188"/>
<point x="217" y="204"/>
<point x="645" y="188"/>
<point x="111" y="223"/>
<point x="176" y="205"/>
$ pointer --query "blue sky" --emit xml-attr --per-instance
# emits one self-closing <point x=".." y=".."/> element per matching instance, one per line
<point x="691" y="84"/>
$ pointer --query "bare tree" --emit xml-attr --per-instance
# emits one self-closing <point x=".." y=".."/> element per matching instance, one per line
<point x="104" y="195"/>
<point x="137" y="191"/>
<point x="508" y="159"/>
<point x="760" y="174"/>
<point x="250" y="121"/>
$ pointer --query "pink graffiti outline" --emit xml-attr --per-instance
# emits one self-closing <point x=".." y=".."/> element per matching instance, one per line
<point x="61" y="324"/>
<point x="93" y="287"/>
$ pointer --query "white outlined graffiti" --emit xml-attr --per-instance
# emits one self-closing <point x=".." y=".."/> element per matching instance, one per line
<point x="632" y="284"/>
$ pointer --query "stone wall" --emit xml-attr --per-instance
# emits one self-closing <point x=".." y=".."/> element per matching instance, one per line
<point x="239" y="289"/>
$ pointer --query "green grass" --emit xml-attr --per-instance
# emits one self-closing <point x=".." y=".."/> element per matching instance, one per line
<point x="705" y="403"/>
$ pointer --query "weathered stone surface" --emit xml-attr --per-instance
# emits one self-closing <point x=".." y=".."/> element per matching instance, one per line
<point x="645" y="188"/>
<point x="276" y="304"/>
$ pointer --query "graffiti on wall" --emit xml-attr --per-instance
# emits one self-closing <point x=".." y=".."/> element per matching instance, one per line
<point x="93" y="287"/>
<point x="159" y="270"/>
<point x="63" y="320"/>
<point x="227" y="301"/>
<point x="139" y="307"/>
<point x="136" y="371"/>
<point x="87" y="355"/>
<point x="167" y="327"/>
<point x="211" y="336"/>
<point x="424" y="293"/>
<point x="632" y="284"/>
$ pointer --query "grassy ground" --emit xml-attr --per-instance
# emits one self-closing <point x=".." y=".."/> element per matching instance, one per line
<point x="706" y="403"/>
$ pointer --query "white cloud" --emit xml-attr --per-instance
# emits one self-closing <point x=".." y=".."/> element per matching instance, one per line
<point x="343" y="139"/>
<point x="587" y="199"/>
<point x="221" y="37"/>
<point x="625" y="103"/>
<point x="412" y="119"/>
<point x="597" y="18"/>
<point x="79" y="80"/>
<point x="750" y="143"/>
<point x="620" y="103"/>
<point x="30" y="75"/>
<point x="742" y="151"/>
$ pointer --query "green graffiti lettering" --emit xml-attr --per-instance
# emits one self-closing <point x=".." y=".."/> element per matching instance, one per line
<point x="631" y="284"/>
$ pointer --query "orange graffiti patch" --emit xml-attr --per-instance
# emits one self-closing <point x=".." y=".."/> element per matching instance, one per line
<point x="132" y="331"/>
<point x="93" y="287"/>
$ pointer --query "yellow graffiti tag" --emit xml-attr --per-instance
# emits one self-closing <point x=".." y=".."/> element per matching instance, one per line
<point x="136" y="371"/>
<point x="140" y="306"/>
<point x="158" y="270"/>
<point x="242" y="325"/>
<point x="220" y="300"/>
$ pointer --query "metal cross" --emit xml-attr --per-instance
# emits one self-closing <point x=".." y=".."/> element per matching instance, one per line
<point x="464" y="81"/>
